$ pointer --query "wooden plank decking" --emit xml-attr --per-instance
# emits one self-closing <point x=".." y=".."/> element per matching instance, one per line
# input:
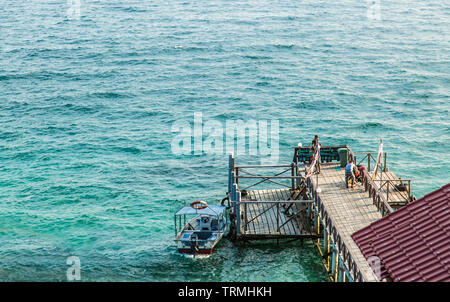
<point x="395" y="197"/>
<point x="350" y="209"/>
<point x="265" y="218"/>
<point x="271" y="214"/>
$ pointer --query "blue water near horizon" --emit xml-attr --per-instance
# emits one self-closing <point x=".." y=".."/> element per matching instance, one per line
<point x="87" y="106"/>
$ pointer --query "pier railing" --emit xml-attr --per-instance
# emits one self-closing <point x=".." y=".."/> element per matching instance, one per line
<point x="397" y="192"/>
<point x="327" y="153"/>
<point x="242" y="172"/>
<point x="277" y="207"/>
<point x="330" y="228"/>
<point x="342" y="257"/>
<point x="331" y="153"/>
<point x="378" y="199"/>
<point x="384" y="187"/>
<point x="249" y="172"/>
<point x="370" y="158"/>
<point x="380" y="190"/>
<point x="372" y="187"/>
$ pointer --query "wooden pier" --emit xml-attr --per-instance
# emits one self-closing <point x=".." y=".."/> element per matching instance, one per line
<point x="319" y="207"/>
<point x="272" y="214"/>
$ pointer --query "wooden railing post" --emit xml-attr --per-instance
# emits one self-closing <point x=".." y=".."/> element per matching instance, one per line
<point x="409" y="190"/>
<point x="233" y="197"/>
<point x="387" y="190"/>
<point x="366" y="182"/>
<point x="293" y="179"/>
<point x="230" y="171"/>
<point x="233" y="179"/>
<point x="278" y="214"/>
<point x="245" y="217"/>
<point x="237" y="199"/>
<point x="176" y="233"/>
<point x="333" y="264"/>
<point x="326" y="246"/>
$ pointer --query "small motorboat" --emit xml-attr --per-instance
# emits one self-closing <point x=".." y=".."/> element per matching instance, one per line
<point x="204" y="226"/>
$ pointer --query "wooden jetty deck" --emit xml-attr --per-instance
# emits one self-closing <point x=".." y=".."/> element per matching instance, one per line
<point x="386" y="181"/>
<point x="266" y="215"/>
<point x="350" y="209"/>
<point x="318" y="207"/>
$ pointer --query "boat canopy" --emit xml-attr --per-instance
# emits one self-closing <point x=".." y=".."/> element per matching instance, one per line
<point x="211" y="210"/>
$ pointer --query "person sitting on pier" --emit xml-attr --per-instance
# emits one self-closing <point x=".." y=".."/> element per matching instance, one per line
<point x="350" y="173"/>
<point x="360" y="175"/>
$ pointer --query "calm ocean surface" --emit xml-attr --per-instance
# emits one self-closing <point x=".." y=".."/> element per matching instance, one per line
<point x="87" y="106"/>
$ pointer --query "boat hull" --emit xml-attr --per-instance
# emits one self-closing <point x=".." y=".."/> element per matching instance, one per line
<point x="200" y="251"/>
<point x="200" y="235"/>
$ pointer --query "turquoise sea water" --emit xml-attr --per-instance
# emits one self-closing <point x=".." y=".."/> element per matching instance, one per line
<point x="87" y="105"/>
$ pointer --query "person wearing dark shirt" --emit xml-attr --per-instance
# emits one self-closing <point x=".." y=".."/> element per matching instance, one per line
<point x="315" y="146"/>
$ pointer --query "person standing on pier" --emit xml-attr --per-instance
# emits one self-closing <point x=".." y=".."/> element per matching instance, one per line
<point x="315" y="147"/>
